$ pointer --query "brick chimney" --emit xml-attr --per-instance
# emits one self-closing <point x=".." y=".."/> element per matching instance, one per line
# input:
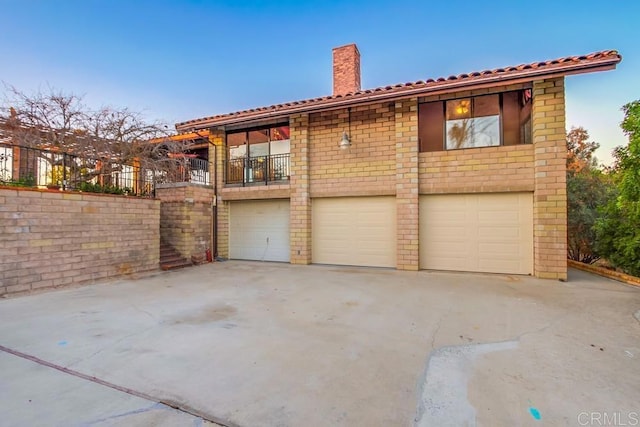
<point x="346" y="69"/>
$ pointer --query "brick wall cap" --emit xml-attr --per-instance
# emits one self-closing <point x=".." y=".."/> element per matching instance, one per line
<point x="182" y="184"/>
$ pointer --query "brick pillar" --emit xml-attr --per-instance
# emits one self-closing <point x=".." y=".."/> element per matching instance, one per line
<point x="406" y="123"/>
<point x="550" y="190"/>
<point x="186" y="216"/>
<point x="300" y="219"/>
<point x="217" y="157"/>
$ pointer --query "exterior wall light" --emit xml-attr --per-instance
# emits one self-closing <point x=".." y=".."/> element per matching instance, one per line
<point x="345" y="142"/>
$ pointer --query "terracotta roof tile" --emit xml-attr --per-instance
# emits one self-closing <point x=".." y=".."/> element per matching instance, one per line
<point x="606" y="59"/>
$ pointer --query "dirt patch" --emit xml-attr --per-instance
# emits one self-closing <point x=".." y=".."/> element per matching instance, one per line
<point x="125" y="268"/>
<point x="207" y="315"/>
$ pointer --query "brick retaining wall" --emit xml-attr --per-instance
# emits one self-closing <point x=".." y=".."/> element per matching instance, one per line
<point x="53" y="238"/>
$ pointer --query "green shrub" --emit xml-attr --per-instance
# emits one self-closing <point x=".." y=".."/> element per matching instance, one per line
<point x="618" y="231"/>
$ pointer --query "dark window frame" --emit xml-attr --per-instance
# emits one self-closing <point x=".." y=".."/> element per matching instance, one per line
<point x="262" y="168"/>
<point x="252" y="129"/>
<point x="435" y="146"/>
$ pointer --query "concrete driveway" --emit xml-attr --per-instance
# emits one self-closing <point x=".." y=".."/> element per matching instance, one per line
<point x="260" y="344"/>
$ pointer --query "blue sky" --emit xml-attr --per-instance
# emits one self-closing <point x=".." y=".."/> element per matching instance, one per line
<point x="179" y="60"/>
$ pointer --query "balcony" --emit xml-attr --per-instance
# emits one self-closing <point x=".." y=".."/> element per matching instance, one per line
<point x="193" y="170"/>
<point x="259" y="170"/>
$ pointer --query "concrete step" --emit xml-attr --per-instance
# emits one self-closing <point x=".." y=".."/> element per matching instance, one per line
<point x="175" y="264"/>
<point x="171" y="259"/>
<point x="168" y="253"/>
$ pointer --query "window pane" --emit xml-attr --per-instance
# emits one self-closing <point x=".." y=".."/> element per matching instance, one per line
<point x="525" y="132"/>
<point x="470" y="133"/>
<point x="459" y="109"/>
<point x="256" y="150"/>
<point x="511" y="118"/>
<point x="238" y="152"/>
<point x="487" y="105"/>
<point x="473" y="122"/>
<point x="237" y="138"/>
<point x="280" y="147"/>
<point x="431" y="126"/>
<point x="279" y="133"/>
<point x="258" y="136"/>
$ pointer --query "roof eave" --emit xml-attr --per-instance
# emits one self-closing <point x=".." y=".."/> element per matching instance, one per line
<point x="445" y="86"/>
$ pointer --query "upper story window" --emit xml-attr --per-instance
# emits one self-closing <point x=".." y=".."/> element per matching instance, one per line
<point x="258" y="142"/>
<point x="479" y="121"/>
<point x="258" y="155"/>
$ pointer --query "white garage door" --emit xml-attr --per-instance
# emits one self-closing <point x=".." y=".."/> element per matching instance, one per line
<point x="477" y="232"/>
<point x="259" y="230"/>
<point x="354" y="231"/>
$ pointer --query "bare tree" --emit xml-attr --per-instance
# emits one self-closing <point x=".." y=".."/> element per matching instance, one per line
<point x="116" y="137"/>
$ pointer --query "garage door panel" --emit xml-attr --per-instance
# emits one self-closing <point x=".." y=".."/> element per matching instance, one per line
<point x="448" y="263"/>
<point x="446" y="233"/>
<point x="354" y="231"/>
<point x="449" y="216"/>
<point x="495" y="218"/>
<point x="493" y="266"/>
<point x="498" y="233"/>
<point x="477" y="232"/>
<point x="259" y="230"/>
<point x="502" y="249"/>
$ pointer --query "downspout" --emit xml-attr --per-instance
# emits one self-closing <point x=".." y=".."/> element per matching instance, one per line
<point x="215" y="206"/>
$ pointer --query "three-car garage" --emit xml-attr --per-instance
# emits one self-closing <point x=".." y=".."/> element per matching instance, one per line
<point x="488" y="232"/>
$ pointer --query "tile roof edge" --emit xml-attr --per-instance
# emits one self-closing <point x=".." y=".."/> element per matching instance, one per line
<point x="596" y="61"/>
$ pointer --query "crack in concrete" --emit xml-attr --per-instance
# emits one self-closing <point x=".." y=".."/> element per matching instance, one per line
<point x="438" y="325"/>
<point x="110" y="345"/>
<point x="143" y="311"/>
<point x="177" y="406"/>
<point x="544" y="328"/>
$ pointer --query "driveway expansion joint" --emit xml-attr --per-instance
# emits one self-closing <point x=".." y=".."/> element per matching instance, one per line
<point x="116" y="387"/>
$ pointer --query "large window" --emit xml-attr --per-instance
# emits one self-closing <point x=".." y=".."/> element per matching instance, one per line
<point x="480" y="121"/>
<point x="257" y="155"/>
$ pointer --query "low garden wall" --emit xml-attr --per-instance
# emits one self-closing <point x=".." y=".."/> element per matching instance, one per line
<point x="51" y="238"/>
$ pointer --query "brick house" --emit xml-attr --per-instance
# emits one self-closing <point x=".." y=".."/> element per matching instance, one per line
<point x="464" y="173"/>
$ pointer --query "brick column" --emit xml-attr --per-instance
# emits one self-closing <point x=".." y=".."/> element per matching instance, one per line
<point x="185" y="216"/>
<point x="300" y="219"/>
<point x="217" y="156"/>
<point x="550" y="188"/>
<point x="406" y="124"/>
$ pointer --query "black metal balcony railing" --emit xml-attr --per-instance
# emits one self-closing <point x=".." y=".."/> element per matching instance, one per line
<point x="259" y="169"/>
<point x="193" y="170"/>
<point x="35" y="167"/>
